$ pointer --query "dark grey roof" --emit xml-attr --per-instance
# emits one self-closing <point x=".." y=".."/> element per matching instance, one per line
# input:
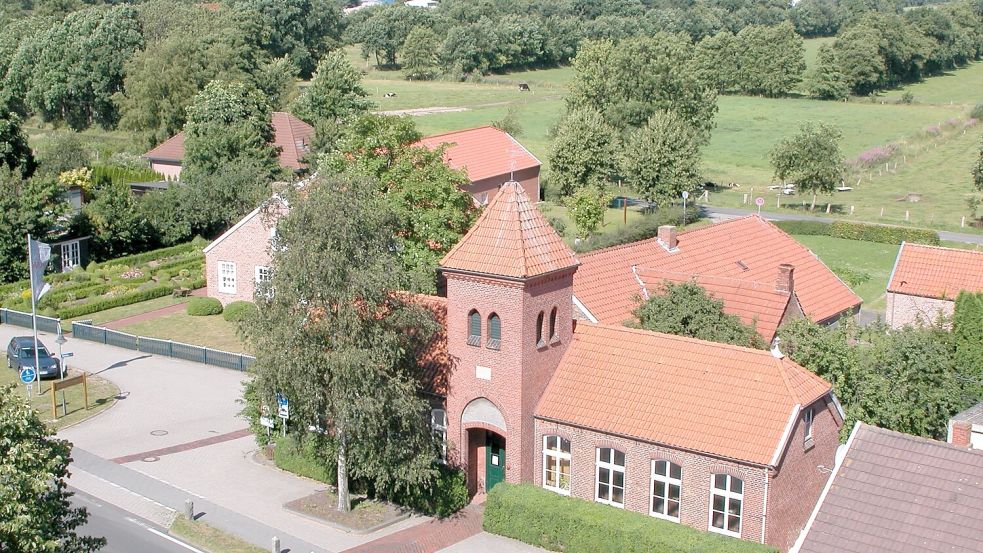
<point x="899" y="493"/>
<point x="972" y="415"/>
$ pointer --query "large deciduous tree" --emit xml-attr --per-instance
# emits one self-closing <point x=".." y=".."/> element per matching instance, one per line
<point x="687" y="309"/>
<point x="35" y="513"/>
<point x="978" y="170"/>
<point x="771" y="59"/>
<point x="303" y="30"/>
<point x="857" y="50"/>
<point x="335" y="93"/>
<point x="420" y="59"/>
<point x="27" y="206"/>
<point x="115" y="222"/>
<point x="811" y="159"/>
<point x="662" y="159"/>
<point x="582" y="152"/>
<point x="14" y="150"/>
<point x="827" y="80"/>
<point x="338" y="338"/>
<point x="586" y="206"/>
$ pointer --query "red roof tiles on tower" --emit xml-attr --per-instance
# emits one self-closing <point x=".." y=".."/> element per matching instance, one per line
<point x="511" y="238"/>
<point x="935" y="272"/>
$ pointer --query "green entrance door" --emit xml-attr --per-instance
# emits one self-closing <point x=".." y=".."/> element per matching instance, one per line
<point x="494" y="460"/>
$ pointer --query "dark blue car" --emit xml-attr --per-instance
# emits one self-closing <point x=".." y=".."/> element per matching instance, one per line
<point x="20" y="355"/>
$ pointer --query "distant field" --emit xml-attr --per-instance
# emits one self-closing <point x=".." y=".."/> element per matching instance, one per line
<point x="868" y="259"/>
<point x="961" y="86"/>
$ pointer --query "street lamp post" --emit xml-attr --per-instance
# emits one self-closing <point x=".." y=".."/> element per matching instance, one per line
<point x="61" y="340"/>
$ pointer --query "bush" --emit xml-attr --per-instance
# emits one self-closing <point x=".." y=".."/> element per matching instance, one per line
<point x="140" y="258"/>
<point x="199" y="307"/>
<point x="302" y="459"/>
<point x="447" y="495"/>
<point x="642" y="229"/>
<point x="804" y="228"/>
<point x="117" y="301"/>
<point x="558" y="225"/>
<point x="882" y="234"/>
<point x="163" y="277"/>
<point x="967" y="327"/>
<point x="238" y="311"/>
<point x="977" y="112"/>
<point x="558" y="523"/>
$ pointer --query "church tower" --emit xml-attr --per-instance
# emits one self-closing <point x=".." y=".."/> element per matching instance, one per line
<point x="509" y="321"/>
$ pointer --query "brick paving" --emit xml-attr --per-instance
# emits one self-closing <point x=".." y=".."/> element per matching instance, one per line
<point x="169" y="310"/>
<point x="428" y="537"/>
<point x="157" y="453"/>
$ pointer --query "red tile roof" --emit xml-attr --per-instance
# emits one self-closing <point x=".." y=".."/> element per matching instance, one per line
<point x="756" y="303"/>
<point x="713" y="398"/>
<point x="483" y="152"/>
<point x="604" y="283"/>
<point x="900" y="494"/>
<point x="435" y="358"/>
<point x="511" y="238"/>
<point x="291" y="135"/>
<point x="936" y="272"/>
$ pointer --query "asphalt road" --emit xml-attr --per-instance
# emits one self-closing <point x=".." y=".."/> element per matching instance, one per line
<point x="124" y="532"/>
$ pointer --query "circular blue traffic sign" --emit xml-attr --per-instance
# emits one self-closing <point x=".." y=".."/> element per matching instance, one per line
<point x="27" y="375"/>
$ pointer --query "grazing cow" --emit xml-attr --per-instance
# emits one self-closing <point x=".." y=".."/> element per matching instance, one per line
<point x="524" y="87"/>
<point x="390" y="95"/>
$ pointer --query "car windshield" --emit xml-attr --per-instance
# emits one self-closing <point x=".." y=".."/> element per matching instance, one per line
<point x="28" y="353"/>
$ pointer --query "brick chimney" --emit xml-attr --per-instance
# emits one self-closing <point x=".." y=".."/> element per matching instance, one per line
<point x="785" y="281"/>
<point x="667" y="235"/>
<point x="961" y="433"/>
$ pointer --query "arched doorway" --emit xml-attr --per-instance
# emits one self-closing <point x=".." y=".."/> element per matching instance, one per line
<point x="486" y="435"/>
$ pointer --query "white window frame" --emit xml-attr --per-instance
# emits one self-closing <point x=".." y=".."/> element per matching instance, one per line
<point x="227" y="277"/>
<point x="438" y="423"/>
<point x="808" y="417"/>
<point x="551" y="460"/>
<point x="260" y="269"/>
<point x="612" y="468"/>
<point x="71" y="255"/>
<point x="667" y="481"/>
<point x="728" y="496"/>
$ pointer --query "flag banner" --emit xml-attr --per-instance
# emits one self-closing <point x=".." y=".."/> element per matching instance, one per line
<point x="39" y="255"/>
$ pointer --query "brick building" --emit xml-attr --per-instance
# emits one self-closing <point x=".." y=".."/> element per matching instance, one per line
<point x="926" y="280"/>
<point x="966" y="428"/>
<point x="291" y="136"/>
<point x="719" y="437"/>
<point x="762" y="275"/>
<point x="238" y="259"/>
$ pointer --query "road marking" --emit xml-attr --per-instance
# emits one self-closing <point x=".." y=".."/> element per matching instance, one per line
<point x="163" y="535"/>
<point x="125" y="489"/>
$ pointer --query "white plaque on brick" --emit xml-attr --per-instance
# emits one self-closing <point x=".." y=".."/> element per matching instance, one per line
<point x="483" y="373"/>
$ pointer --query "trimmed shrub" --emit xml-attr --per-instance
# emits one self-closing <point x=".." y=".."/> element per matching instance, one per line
<point x="199" y="307"/>
<point x="804" y="228"/>
<point x="303" y="460"/>
<point x="239" y="311"/>
<point x="182" y="263"/>
<point x="140" y="258"/>
<point x="117" y="301"/>
<point x="447" y="495"/>
<point x="558" y="523"/>
<point x="163" y="277"/>
<point x="882" y="234"/>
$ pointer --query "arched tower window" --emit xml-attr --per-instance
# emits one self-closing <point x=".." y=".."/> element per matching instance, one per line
<point x="494" y="331"/>
<point x="539" y="330"/>
<point x="474" y="328"/>
<point x="554" y="337"/>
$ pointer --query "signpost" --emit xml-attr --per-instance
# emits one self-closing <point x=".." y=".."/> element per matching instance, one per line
<point x="685" y="197"/>
<point x="27" y="375"/>
<point x="67" y="383"/>
<point x="283" y="410"/>
<point x="759" y="202"/>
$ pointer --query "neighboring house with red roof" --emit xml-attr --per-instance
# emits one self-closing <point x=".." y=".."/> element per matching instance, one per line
<point x="719" y="437"/>
<point x="291" y="136"/>
<point x="898" y="493"/>
<point x="926" y="280"/>
<point x="762" y="275"/>
<point x="490" y="157"/>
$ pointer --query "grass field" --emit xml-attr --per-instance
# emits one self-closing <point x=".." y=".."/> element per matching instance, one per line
<point x="117" y="313"/>
<point x="209" y="538"/>
<point x="860" y="258"/>
<point x="102" y="394"/>
<point x="961" y="86"/>
<point x="211" y="331"/>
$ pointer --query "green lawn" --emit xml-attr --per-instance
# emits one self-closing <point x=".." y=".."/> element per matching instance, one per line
<point x="209" y="538"/>
<point x="853" y="257"/>
<point x="959" y="86"/>
<point x="102" y="394"/>
<point x="117" y="313"/>
<point x="211" y="331"/>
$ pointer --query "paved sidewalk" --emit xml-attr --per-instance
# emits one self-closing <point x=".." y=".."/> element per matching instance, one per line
<point x="169" y="310"/>
<point x="429" y="537"/>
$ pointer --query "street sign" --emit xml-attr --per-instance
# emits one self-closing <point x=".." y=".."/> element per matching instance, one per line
<point x="685" y="194"/>
<point x="759" y="202"/>
<point x="67" y="355"/>
<point x="27" y="375"/>
<point x="266" y="421"/>
<point x="283" y="407"/>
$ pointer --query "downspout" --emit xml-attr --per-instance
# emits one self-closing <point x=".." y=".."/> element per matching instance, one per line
<point x="764" y="510"/>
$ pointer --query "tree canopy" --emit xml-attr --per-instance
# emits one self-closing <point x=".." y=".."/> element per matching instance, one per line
<point x="35" y="513"/>
<point x="582" y="152"/>
<point x="335" y="92"/>
<point x="811" y="159"/>
<point x="303" y="30"/>
<point x="686" y="309"/>
<point x="15" y="153"/>
<point x="26" y="206"/>
<point x="661" y="160"/>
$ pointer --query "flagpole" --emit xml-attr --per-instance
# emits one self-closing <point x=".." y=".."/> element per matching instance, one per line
<point x="34" y="315"/>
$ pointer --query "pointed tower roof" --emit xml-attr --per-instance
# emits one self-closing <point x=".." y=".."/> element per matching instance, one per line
<point x="511" y="239"/>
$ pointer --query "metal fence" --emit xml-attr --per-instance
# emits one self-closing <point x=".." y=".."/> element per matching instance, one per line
<point x="26" y="320"/>
<point x="188" y="352"/>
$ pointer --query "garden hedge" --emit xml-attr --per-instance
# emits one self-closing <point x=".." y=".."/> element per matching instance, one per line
<point x="447" y="495"/>
<point x="200" y="307"/>
<point x="646" y="227"/>
<point x="238" y="311"/>
<point x="118" y="301"/>
<point x="145" y="257"/>
<point x="558" y="523"/>
<point x="861" y="231"/>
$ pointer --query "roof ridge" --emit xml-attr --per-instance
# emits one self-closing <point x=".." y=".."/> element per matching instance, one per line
<point x="463" y="131"/>
<point x="874" y="429"/>
<point x="944" y="248"/>
<point x="644" y="332"/>
<point x="767" y="287"/>
<point x="518" y="222"/>
<point x="654" y="238"/>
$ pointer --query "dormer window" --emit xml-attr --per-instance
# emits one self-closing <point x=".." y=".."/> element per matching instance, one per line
<point x="494" y="332"/>
<point x="539" y="330"/>
<point x="474" y="328"/>
<point x="554" y="337"/>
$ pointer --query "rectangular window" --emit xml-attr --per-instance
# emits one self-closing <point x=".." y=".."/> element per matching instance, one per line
<point x="610" y="477"/>
<point x="438" y="423"/>
<point x="556" y="464"/>
<point x="726" y="505"/>
<point x="71" y="256"/>
<point x="226" y="277"/>
<point x="263" y="275"/>
<point x="667" y="481"/>
<point x="807" y="420"/>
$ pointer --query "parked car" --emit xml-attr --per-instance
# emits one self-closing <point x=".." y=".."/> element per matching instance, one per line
<point x="20" y="355"/>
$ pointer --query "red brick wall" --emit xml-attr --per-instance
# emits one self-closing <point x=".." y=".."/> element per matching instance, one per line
<point x="696" y="475"/>
<point x="961" y="433"/>
<point x="797" y="482"/>
<point x="528" y="178"/>
<point x="248" y="248"/>
<point x="519" y="370"/>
